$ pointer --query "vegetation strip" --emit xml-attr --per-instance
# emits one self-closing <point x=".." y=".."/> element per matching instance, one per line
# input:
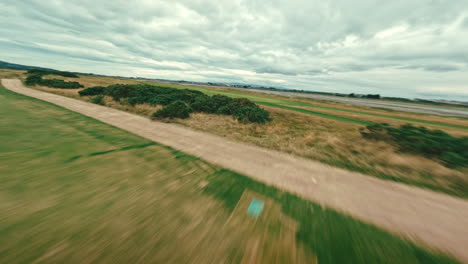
<point x="452" y="151"/>
<point x="35" y="78"/>
<point x="381" y="115"/>
<point x="179" y="103"/>
<point x="325" y="115"/>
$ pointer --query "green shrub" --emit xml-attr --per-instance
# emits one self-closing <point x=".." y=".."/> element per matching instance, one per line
<point x="452" y="151"/>
<point x="33" y="79"/>
<point x="162" y="99"/>
<point x="98" y="99"/>
<point x="204" y="104"/>
<point x="177" y="109"/>
<point x="56" y="83"/>
<point x="376" y="132"/>
<point x="235" y="105"/>
<point x="220" y="100"/>
<point x="96" y="90"/>
<point x="252" y="114"/>
<point x="47" y="72"/>
<point x="241" y="108"/>
<point x="244" y="110"/>
<point x="373" y="96"/>
<point x="119" y="91"/>
<point x="136" y="100"/>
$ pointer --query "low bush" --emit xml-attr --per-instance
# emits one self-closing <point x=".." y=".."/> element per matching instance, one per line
<point x="98" y="99"/>
<point x="47" y="72"/>
<point x="96" y="90"/>
<point x="56" y="83"/>
<point x="35" y="78"/>
<point x="372" y="96"/>
<point x="235" y="105"/>
<point x="221" y="100"/>
<point x="204" y="104"/>
<point x="252" y="114"/>
<point x="119" y="91"/>
<point x="242" y="109"/>
<point x="177" y="109"/>
<point x="452" y="151"/>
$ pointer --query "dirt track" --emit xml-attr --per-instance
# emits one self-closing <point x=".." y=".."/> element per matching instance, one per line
<point x="436" y="219"/>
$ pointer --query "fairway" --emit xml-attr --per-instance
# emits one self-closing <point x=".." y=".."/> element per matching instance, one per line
<point x="75" y="190"/>
<point x="339" y="113"/>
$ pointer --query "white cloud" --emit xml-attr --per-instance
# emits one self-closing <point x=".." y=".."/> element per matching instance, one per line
<point x="391" y="32"/>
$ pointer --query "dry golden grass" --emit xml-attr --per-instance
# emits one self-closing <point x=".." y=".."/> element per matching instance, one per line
<point x="87" y="81"/>
<point x="140" y="109"/>
<point x="90" y="81"/>
<point x="12" y="74"/>
<point x="65" y="92"/>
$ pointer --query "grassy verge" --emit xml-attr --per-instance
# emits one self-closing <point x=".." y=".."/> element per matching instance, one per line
<point x="324" y="115"/>
<point x="333" y="238"/>
<point x="76" y="190"/>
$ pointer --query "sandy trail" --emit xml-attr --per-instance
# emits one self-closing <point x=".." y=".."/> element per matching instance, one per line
<point x="436" y="219"/>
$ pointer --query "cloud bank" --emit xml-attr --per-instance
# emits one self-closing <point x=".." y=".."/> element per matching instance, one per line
<point x="412" y="48"/>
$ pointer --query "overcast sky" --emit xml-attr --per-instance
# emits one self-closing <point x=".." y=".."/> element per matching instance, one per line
<point x="406" y="48"/>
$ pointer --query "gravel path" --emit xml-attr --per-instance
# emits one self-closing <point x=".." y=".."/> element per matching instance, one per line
<point x="436" y="219"/>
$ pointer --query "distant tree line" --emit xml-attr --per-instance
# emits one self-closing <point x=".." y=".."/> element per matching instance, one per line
<point x="452" y="151"/>
<point x="370" y="96"/>
<point x="35" y="78"/>
<point x="180" y="103"/>
<point x="47" y="72"/>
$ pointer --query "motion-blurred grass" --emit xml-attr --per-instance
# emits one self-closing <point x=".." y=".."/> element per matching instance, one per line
<point x="75" y="190"/>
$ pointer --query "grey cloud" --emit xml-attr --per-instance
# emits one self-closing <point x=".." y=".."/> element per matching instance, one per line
<point x="440" y="68"/>
<point x="432" y="68"/>
<point x="275" y="70"/>
<point x="465" y="22"/>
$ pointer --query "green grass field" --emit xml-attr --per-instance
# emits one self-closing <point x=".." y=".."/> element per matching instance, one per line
<point x="75" y="190"/>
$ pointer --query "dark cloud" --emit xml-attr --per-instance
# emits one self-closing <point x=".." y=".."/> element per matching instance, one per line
<point x="275" y="70"/>
<point x="432" y="68"/>
<point x="364" y="45"/>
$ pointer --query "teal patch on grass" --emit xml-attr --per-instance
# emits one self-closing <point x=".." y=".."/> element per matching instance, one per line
<point x="255" y="208"/>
